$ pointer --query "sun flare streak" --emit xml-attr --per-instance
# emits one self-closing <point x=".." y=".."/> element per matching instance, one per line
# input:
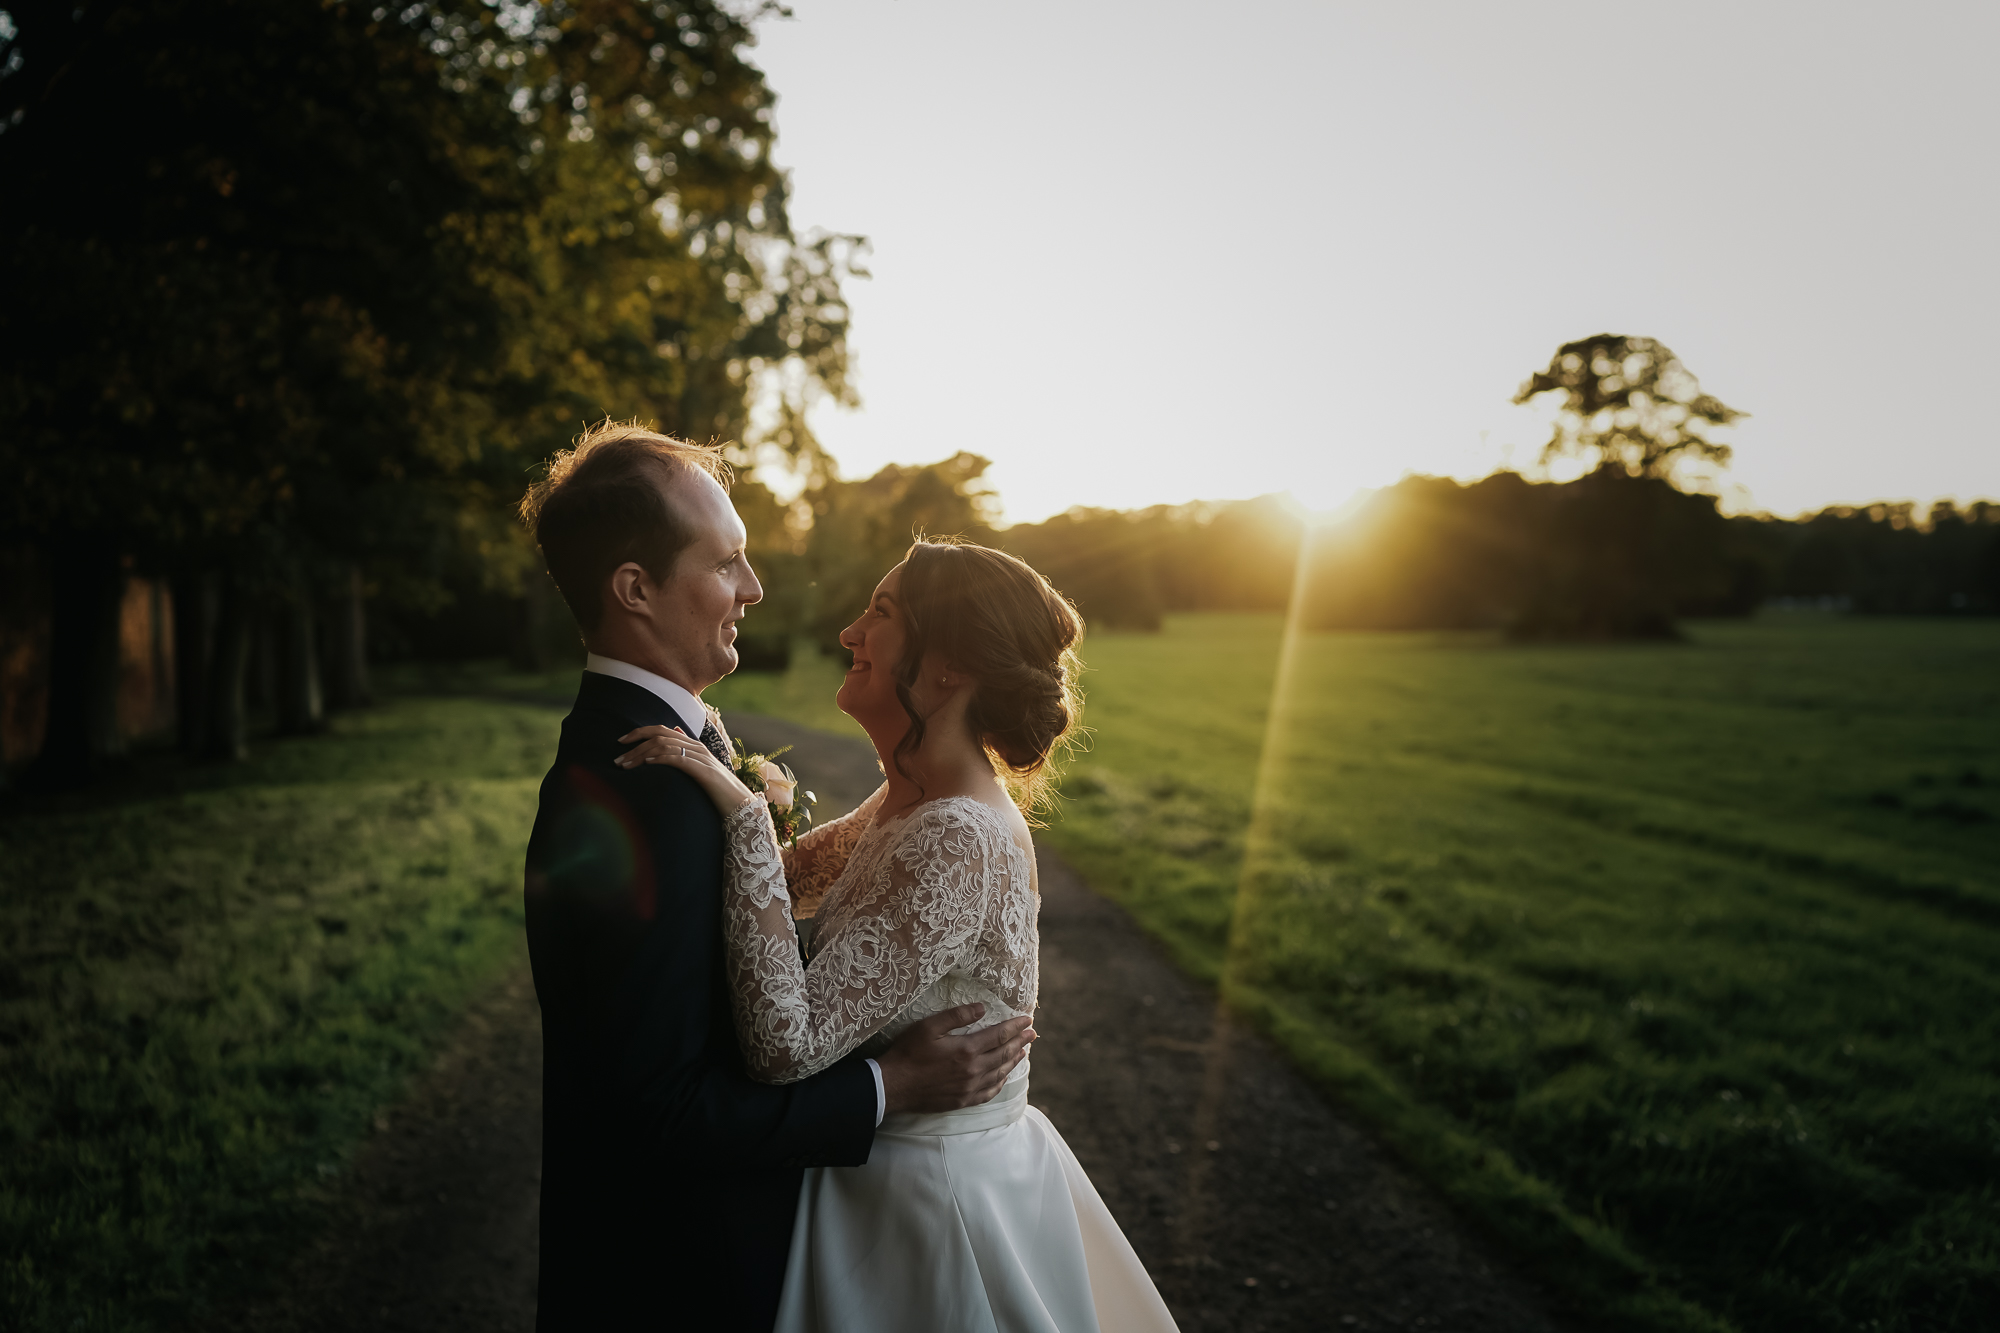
<point x="1260" y="845"/>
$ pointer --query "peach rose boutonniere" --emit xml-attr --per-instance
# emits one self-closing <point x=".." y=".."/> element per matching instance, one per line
<point x="791" y="809"/>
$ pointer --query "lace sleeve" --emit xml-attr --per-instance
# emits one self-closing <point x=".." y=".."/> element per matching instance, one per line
<point x="816" y="862"/>
<point x="925" y="907"/>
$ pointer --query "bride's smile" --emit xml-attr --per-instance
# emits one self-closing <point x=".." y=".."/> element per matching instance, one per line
<point x="876" y="638"/>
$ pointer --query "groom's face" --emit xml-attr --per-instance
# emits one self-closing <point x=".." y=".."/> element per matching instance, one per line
<point x="698" y="604"/>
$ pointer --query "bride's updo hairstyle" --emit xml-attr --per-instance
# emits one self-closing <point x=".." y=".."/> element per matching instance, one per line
<point x="993" y="619"/>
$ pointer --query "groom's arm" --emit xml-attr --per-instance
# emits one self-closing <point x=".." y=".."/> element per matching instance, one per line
<point x="684" y="1075"/>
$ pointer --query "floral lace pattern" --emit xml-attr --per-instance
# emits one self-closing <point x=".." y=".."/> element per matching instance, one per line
<point x="930" y="909"/>
<point x="815" y="862"/>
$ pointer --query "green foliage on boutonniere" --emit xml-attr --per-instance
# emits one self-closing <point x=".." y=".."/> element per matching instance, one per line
<point x="791" y="809"/>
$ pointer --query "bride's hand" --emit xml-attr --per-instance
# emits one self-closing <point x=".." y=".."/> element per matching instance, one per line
<point x="676" y="749"/>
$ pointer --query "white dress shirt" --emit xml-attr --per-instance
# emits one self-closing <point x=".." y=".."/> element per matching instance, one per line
<point x="688" y="705"/>
<point x="694" y="712"/>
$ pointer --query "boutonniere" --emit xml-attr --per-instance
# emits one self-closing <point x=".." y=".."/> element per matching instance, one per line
<point x="791" y="809"/>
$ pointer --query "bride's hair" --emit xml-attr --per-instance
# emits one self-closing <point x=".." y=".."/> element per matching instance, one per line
<point x="994" y="619"/>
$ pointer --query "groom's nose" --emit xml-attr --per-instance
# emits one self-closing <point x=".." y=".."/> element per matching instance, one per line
<point x="750" y="590"/>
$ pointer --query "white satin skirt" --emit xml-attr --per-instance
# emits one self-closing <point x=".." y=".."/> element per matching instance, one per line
<point x="976" y="1221"/>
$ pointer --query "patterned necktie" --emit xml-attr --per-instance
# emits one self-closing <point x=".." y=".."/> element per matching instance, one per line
<point x="713" y="740"/>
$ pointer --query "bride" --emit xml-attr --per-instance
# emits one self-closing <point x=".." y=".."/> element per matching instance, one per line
<point x="925" y="899"/>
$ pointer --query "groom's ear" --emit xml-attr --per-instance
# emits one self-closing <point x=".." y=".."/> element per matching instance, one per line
<point x="629" y="589"/>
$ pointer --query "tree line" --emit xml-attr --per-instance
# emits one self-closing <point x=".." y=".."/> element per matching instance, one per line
<point x="299" y="293"/>
<point x="1606" y="556"/>
<point x="1603" y="557"/>
<point x="1614" y="557"/>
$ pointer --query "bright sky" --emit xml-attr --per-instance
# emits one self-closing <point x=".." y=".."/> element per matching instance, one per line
<point x="1143" y="251"/>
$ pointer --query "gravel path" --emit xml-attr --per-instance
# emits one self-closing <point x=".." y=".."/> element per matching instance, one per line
<point x="1255" y="1205"/>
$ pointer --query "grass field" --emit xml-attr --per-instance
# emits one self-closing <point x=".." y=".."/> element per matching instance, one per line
<point x="1677" y="966"/>
<point x="205" y="994"/>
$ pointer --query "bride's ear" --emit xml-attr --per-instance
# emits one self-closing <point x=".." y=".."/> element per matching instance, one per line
<point x="937" y="675"/>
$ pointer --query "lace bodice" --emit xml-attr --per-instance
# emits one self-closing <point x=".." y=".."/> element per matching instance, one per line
<point x="924" y="911"/>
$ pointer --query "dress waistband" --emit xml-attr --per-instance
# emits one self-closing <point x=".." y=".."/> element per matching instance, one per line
<point x="1007" y="1106"/>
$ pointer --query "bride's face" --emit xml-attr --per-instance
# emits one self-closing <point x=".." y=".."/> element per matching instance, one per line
<point x="876" y="639"/>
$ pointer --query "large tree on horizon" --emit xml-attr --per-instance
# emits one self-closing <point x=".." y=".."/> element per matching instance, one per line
<point x="1629" y="403"/>
<point x="1619" y="547"/>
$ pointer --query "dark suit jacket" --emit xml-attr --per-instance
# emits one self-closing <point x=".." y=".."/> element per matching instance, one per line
<point x="669" y="1178"/>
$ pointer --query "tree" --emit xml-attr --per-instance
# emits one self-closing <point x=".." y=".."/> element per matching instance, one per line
<point x="1106" y="561"/>
<point x="1428" y="553"/>
<point x="310" y="326"/>
<point x="1629" y="403"/>
<point x="1124" y="570"/>
<point x="1618" y="548"/>
<point x="1615" y="556"/>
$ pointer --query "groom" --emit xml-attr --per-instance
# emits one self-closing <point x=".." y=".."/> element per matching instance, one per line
<point x="669" y="1178"/>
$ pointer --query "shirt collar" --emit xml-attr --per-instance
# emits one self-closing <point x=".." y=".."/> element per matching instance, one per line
<point x="688" y="706"/>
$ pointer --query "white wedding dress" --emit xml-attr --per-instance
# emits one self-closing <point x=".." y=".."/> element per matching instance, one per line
<point x="973" y="1221"/>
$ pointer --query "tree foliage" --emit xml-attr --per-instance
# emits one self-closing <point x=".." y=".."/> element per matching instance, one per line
<point x="1125" y="569"/>
<point x="859" y="530"/>
<point x="302" y="287"/>
<point x="1629" y="403"/>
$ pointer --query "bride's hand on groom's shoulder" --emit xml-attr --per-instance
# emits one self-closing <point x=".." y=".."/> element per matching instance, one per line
<point x="928" y="1070"/>
<point x="676" y="749"/>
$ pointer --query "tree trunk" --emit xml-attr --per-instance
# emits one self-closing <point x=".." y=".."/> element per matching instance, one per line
<point x="534" y="624"/>
<point x="260" y="678"/>
<point x="194" y="646"/>
<point x="87" y="587"/>
<point x="347" y="646"/>
<point x="160" y="649"/>
<point x="227" y="735"/>
<point x="301" y="711"/>
<point x="523" y="640"/>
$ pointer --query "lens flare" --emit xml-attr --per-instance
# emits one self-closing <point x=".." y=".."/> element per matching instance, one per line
<point x="1260" y="847"/>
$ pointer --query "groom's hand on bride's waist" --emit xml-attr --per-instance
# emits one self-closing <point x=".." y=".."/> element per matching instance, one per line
<point x="928" y="1070"/>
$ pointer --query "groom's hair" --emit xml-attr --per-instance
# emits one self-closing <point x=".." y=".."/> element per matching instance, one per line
<point x="604" y="503"/>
